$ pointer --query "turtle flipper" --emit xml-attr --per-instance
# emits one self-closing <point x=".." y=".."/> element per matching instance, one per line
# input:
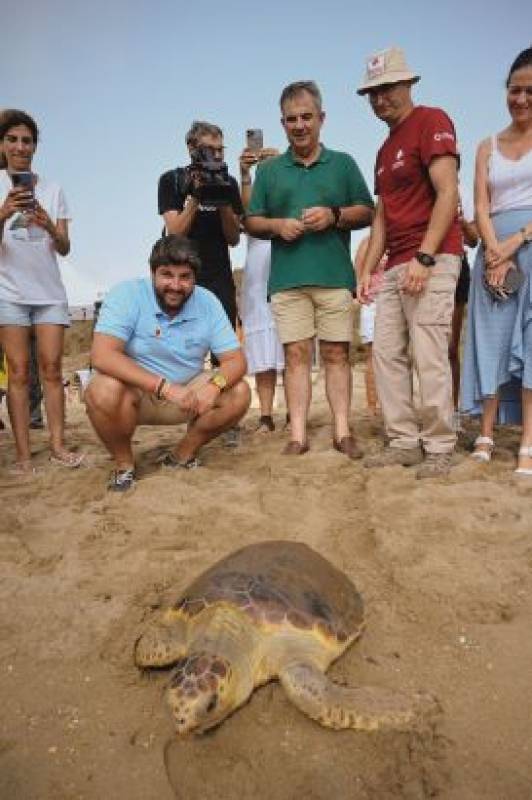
<point x="161" y="645"/>
<point x="365" y="709"/>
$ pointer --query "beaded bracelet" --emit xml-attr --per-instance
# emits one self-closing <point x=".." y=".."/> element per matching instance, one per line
<point x="159" y="388"/>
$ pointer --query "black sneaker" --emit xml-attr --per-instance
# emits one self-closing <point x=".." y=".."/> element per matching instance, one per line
<point x="121" y="480"/>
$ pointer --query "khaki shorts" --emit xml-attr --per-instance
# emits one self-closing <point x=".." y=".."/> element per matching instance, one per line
<point x="313" y="310"/>
<point x="160" y="412"/>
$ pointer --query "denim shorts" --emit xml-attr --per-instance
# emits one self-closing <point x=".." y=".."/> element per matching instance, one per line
<point x="22" y="315"/>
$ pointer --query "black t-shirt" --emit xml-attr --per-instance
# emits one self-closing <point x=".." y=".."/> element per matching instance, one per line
<point x="206" y="231"/>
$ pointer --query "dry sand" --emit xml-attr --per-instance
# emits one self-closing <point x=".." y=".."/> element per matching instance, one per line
<point x="445" y="568"/>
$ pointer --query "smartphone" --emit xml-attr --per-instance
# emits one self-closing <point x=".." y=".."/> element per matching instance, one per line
<point x="254" y="139"/>
<point x="25" y="179"/>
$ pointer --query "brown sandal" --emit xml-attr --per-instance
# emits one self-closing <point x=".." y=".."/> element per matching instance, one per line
<point x="295" y="449"/>
<point x="348" y="447"/>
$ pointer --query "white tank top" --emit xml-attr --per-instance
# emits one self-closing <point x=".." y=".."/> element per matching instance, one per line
<point x="510" y="181"/>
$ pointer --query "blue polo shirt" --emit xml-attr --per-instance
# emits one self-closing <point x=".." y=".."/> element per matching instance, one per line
<point x="174" y="347"/>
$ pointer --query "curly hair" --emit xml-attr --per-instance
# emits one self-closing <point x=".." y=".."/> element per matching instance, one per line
<point x="176" y="250"/>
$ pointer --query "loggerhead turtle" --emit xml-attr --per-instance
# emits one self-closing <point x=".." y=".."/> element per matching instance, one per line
<point x="271" y="610"/>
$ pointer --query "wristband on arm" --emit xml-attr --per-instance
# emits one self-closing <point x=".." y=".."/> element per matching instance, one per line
<point x="159" y="388"/>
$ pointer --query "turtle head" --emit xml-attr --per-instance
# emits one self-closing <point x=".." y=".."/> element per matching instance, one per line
<point x="201" y="692"/>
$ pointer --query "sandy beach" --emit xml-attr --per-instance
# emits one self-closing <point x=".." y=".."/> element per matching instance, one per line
<point x="444" y="566"/>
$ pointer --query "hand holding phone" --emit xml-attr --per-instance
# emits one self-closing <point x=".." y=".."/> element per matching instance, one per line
<point x="254" y="139"/>
<point x="24" y="180"/>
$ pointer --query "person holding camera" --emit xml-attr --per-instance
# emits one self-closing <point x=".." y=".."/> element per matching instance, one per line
<point x="307" y="201"/>
<point x="202" y="202"/>
<point x="34" y="220"/>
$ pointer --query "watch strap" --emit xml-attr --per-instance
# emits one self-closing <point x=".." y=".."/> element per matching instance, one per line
<point x="337" y="211"/>
<point x="425" y="258"/>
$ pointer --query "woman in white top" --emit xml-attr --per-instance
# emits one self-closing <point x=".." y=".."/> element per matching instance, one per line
<point x="497" y="377"/>
<point x="33" y="229"/>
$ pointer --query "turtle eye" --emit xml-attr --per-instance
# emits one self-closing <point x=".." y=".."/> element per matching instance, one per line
<point x="213" y="702"/>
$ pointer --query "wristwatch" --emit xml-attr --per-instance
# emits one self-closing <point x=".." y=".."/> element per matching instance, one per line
<point x="425" y="259"/>
<point x="527" y="236"/>
<point x="336" y="210"/>
<point x="219" y="380"/>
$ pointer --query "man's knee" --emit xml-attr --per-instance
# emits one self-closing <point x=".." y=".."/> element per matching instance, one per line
<point x="241" y="396"/>
<point x="50" y="371"/>
<point x="334" y="352"/>
<point x="104" y="394"/>
<point x="298" y="353"/>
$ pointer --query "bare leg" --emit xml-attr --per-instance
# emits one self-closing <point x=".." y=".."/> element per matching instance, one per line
<point x="50" y="340"/>
<point x="229" y="409"/>
<point x="16" y="343"/>
<point x="525" y="462"/>
<point x="265" y="383"/>
<point x="338" y="384"/>
<point x="489" y="415"/>
<point x="454" y="350"/>
<point x="298" y="359"/>
<point x="35" y="389"/>
<point x="113" y="410"/>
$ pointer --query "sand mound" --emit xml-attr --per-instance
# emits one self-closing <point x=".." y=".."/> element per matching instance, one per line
<point x="445" y="568"/>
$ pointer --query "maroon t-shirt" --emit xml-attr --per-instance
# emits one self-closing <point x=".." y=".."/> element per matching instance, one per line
<point x="402" y="181"/>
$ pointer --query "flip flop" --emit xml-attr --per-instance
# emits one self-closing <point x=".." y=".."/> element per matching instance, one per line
<point x="67" y="459"/>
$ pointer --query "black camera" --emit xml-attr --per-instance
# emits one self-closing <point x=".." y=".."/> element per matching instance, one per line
<point x="208" y="178"/>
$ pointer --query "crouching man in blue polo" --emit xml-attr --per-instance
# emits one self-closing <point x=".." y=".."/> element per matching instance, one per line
<point x="149" y="348"/>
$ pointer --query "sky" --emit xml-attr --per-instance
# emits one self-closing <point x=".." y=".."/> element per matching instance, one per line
<point x="114" y="86"/>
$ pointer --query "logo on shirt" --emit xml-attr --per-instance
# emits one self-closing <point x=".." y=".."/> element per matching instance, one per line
<point x="399" y="160"/>
<point x="443" y="135"/>
<point x="380" y="170"/>
<point x="157" y="332"/>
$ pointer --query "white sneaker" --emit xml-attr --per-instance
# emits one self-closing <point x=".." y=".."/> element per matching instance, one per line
<point x="483" y="452"/>
<point x="526" y="450"/>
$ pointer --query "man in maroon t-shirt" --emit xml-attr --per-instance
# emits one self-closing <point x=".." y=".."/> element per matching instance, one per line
<point x="416" y="222"/>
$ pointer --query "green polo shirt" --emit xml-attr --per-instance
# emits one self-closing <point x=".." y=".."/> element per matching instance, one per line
<point x="283" y="188"/>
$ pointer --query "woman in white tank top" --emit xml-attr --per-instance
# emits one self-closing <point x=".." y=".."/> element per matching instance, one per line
<point x="498" y="357"/>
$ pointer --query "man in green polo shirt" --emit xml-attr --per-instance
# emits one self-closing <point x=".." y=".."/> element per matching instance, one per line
<point x="307" y="201"/>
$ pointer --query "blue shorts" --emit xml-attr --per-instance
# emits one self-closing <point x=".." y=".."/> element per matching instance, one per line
<point x="25" y="316"/>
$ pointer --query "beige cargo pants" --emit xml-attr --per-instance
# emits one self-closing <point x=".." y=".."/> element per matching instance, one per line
<point x="412" y="334"/>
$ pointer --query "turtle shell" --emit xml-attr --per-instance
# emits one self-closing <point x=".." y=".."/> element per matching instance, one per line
<point x="279" y="582"/>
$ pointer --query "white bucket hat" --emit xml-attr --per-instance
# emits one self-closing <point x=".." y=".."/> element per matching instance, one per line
<point x="387" y="66"/>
